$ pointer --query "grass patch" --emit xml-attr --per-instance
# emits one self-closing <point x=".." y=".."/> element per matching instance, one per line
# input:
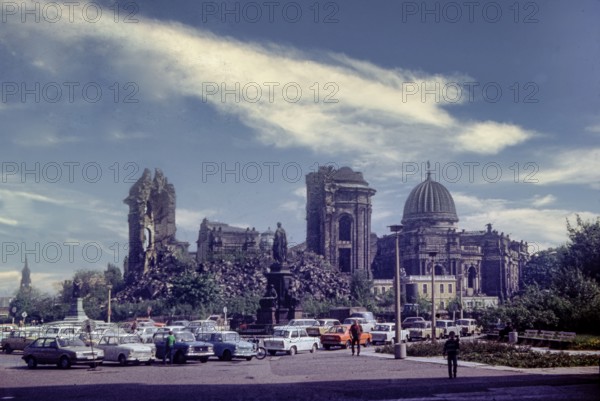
<point x="585" y="342"/>
<point x="494" y="353"/>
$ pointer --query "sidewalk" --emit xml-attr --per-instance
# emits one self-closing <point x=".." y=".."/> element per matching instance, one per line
<point x="578" y="370"/>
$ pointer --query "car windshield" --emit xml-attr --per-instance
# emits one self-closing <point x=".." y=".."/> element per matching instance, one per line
<point x="463" y="321"/>
<point x="383" y="327"/>
<point x="337" y="329"/>
<point x="420" y="325"/>
<point x="70" y="342"/>
<point x="441" y="324"/>
<point x="129" y="340"/>
<point x="281" y="333"/>
<point x="185" y="337"/>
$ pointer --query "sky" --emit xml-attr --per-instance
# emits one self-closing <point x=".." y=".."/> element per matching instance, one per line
<point x="237" y="101"/>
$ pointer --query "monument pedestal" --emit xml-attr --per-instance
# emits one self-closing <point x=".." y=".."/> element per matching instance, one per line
<point x="281" y="309"/>
<point x="76" y="313"/>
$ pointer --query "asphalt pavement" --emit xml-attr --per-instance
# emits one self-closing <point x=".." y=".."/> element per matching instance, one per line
<point x="325" y="375"/>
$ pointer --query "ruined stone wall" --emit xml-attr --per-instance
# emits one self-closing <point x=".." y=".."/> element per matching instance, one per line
<point x="151" y="220"/>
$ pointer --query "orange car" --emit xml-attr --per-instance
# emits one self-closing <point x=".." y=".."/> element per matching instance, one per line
<point x="339" y="336"/>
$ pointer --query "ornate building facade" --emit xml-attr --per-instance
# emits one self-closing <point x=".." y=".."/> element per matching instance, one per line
<point x="217" y="239"/>
<point x="467" y="263"/>
<point x="338" y="218"/>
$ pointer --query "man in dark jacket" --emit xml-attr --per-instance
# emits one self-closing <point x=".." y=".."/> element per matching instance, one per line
<point x="451" y="348"/>
<point x="355" y="333"/>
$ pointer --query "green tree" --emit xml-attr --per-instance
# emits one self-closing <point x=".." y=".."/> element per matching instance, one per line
<point x="195" y="289"/>
<point x="361" y="291"/>
<point x="584" y="247"/>
<point x="543" y="267"/>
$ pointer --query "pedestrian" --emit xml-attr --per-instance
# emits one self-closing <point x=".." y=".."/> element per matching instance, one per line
<point x="451" y="348"/>
<point x="169" y="345"/>
<point x="355" y="334"/>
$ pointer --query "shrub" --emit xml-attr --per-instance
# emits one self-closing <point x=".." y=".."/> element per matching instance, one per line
<point x="494" y="353"/>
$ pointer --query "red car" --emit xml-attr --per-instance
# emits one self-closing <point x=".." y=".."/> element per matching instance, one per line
<point x="339" y="336"/>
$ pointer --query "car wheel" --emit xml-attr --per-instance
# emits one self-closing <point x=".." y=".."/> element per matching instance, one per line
<point x="327" y="346"/>
<point x="367" y="343"/>
<point x="31" y="363"/>
<point x="292" y="351"/>
<point x="313" y="349"/>
<point x="8" y="349"/>
<point x="179" y="358"/>
<point x="64" y="363"/>
<point x="347" y="345"/>
<point x="122" y="360"/>
<point x="248" y="358"/>
<point x="272" y="353"/>
<point x="204" y="359"/>
<point x="149" y="362"/>
<point x="227" y="355"/>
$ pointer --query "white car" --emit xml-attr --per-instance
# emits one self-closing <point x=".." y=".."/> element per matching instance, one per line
<point x="146" y="333"/>
<point x="385" y="333"/>
<point x="291" y="340"/>
<point x="366" y="325"/>
<point x="447" y="326"/>
<point x="299" y="323"/>
<point x="468" y="327"/>
<point x="126" y="349"/>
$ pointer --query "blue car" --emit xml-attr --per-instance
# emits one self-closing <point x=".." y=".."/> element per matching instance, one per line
<point x="228" y="345"/>
<point x="186" y="347"/>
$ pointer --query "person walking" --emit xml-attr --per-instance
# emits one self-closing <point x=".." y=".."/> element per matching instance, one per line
<point x="355" y="334"/>
<point x="169" y="345"/>
<point x="451" y="348"/>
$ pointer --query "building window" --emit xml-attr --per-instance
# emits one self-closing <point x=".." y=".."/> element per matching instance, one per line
<point x="424" y="288"/>
<point x="449" y="288"/>
<point x="345" y="228"/>
<point x="441" y="288"/>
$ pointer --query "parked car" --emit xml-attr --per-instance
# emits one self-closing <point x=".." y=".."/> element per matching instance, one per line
<point x="322" y="327"/>
<point x="410" y="321"/>
<point x="369" y="319"/>
<point x="228" y="345"/>
<point x="63" y="352"/>
<point x="126" y="348"/>
<point x="146" y="333"/>
<point x="291" y="340"/>
<point x="385" y="333"/>
<point x="300" y="323"/>
<point x="339" y="336"/>
<point x="366" y="325"/>
<point x="17" y="340"/>
<point x="199" y="326"/>
<point x="61" y="331"/>
<point x="468" y="327"/>
<point x="422" y="331"/>
<point x="447" y="326"/>
<point x="183" y="323"/>
<point x="186" y="347"/>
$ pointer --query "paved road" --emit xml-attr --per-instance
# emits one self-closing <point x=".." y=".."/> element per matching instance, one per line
<point x="325" y="375"/>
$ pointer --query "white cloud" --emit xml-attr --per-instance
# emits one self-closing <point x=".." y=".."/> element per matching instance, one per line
<point x="8" y="221"/>
<point x="372" y="113"/>
<point x="539" y="201"/>
<point x="541" y="228"/>
<point x="573" y="166"/>
<point x="593" y="128"/>
<point x="491" y="137"/>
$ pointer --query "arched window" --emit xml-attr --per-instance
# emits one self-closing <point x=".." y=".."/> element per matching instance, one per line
<point x="345" y="228"/>
<point x="472" y="277"/>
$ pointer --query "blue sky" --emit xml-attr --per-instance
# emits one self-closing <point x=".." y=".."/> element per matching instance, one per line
<point x="237" y="101"/>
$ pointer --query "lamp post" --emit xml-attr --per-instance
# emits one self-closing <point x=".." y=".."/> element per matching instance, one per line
<point x="399" y="346"/>
<point x="432" y="255"/>
<point x="109" y="310"/>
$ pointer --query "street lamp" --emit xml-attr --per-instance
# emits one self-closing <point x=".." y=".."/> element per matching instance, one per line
<point x="432" y="255"/>
<point x="109" y="310"/>
<point x="399" y="346"/>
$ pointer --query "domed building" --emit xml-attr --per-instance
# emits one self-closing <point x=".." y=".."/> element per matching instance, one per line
<point x="475" y="268"/>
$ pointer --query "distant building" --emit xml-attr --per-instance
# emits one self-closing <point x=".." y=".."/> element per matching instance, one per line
<point x="217" y="239"/>
<point x="467" y="264"/>
<point x="338" y="218"/>
<point x="25" y="278"/>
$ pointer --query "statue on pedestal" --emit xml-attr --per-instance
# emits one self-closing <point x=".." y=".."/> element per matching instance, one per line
<point x="280" y="245"/>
